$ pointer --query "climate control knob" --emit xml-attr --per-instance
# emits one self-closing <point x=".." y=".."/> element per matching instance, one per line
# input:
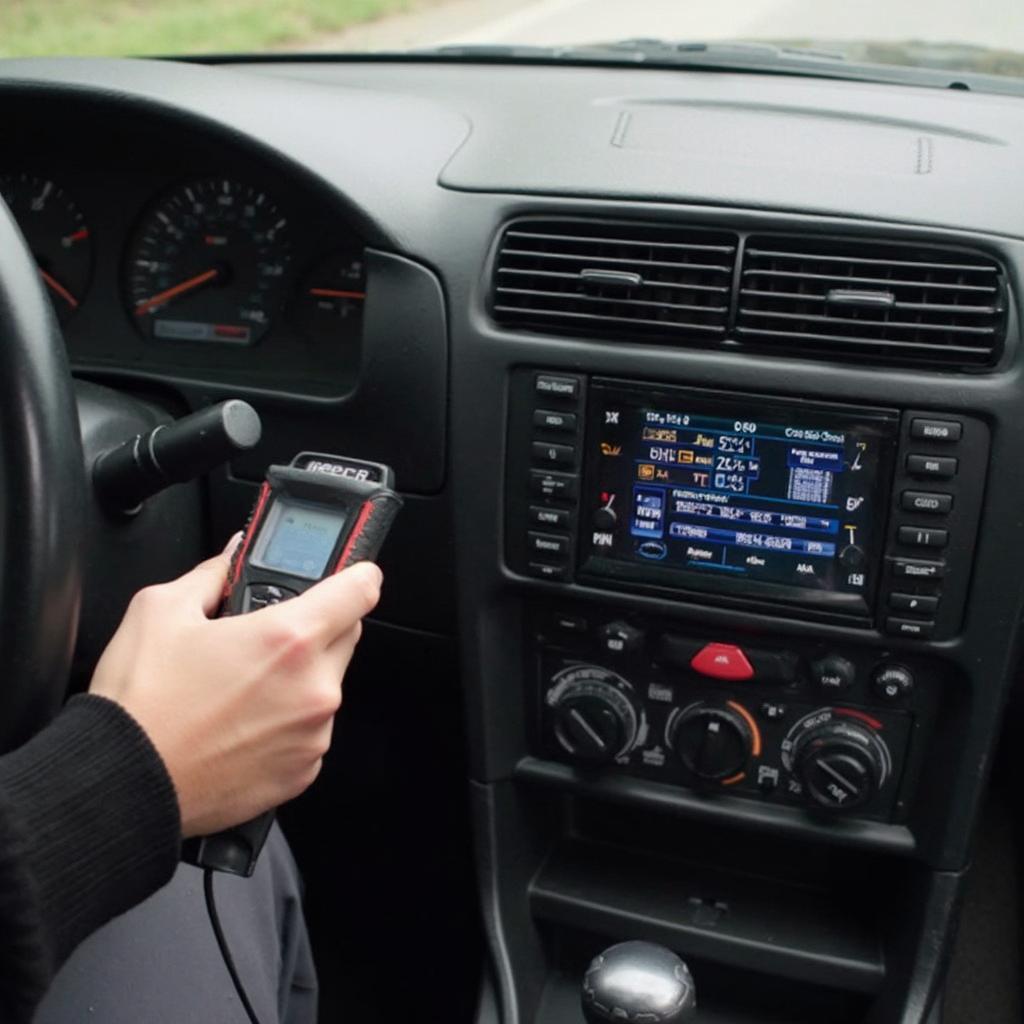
<point x="593" y="714"/>
<point x="714" y="741"/>
<point x="840" y="763"/>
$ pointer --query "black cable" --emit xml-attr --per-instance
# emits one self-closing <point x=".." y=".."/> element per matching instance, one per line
<point x="229" y="963"/>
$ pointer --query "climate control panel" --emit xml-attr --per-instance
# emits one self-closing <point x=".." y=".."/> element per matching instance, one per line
<point x="832" y="730"/>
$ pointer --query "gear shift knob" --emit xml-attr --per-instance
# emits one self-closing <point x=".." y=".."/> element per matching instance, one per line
<point x="638" y="983"/>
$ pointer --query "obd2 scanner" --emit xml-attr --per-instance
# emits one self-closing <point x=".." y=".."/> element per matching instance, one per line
<point x="311" y="519"/>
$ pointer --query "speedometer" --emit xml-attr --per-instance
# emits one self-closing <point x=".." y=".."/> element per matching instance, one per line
<point x="208" y="263"/>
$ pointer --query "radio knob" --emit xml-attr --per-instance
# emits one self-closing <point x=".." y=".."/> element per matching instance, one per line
<point x="605" y="519"/>
<point x="714" y="742"/>
<point x="853" y="557"/>
<point x="841" y="764"/>
<point x="594" y="720"/>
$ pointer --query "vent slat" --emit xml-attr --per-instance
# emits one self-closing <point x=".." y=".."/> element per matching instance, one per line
<point x="587" y="240"/>
<point x="990" y="289"/>
<point x="919" y="304"/>
<point x="721" y="289"/>
<point x="814" y="318"/>
<point x="931" y="307"/>
<point x="811" y="257"/>
<point x="618" y="260"/>
<point x="559" y="296"/>
<point x="541" y="313"/>
<point x="664" y="280"/>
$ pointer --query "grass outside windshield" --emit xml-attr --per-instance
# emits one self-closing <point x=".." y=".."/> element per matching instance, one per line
<point x="984" y="36"/>
<point x="36" y="28"/>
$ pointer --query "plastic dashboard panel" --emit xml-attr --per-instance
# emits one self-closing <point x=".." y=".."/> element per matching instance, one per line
<point x="428" y="161"/>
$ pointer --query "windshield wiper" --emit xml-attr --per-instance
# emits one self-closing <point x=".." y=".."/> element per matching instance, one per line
<point x="766" y="58"/>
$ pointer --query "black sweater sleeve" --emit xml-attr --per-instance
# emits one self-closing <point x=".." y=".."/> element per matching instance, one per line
<point x="89" y="826"/>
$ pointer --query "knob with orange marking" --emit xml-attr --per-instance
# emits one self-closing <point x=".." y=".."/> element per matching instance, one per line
<point x="715" y="742"/>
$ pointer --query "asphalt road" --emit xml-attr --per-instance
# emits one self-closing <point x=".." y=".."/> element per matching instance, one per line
<point x="996" y="23"/>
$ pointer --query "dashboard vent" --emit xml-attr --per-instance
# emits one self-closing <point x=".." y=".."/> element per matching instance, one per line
<point x="872" y="301"/>
<point x="612" y="277"/>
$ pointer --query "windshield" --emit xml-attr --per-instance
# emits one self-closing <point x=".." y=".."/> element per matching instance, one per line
<point x="986" y="36"/>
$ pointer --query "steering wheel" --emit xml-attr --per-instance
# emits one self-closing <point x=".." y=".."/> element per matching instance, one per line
<point x="42" y="498"/>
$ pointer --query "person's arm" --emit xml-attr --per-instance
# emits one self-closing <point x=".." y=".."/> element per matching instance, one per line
<point x="89" y="826"/>
<point x="192" y="725"/>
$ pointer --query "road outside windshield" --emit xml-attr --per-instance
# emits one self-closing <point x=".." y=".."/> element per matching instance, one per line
<point x="983" y="36"/>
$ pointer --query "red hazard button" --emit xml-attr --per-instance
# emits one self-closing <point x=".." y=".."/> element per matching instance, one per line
<point x="722" y="661"/>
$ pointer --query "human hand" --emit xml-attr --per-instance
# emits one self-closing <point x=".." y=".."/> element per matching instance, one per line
<point x="241" y="708"/>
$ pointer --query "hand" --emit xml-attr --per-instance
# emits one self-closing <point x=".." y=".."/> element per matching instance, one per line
<point x="241" y="708"/>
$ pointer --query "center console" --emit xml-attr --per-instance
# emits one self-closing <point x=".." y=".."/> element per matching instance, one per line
<point x="858" y="517"/>
<point x="737" y="636"/>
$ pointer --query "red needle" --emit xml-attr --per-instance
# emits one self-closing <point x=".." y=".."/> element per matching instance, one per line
<point x="79" y="236"/>
<point x="172" y="293"/>
<point x="334" y="293"/>
<point x="55" y="286"/>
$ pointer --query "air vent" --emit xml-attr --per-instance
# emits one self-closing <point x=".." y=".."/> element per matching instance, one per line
<point x="611" y="277"/>
<point x="876" y="302"/>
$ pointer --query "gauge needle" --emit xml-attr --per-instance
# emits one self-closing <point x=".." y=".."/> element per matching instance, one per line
<point x="179" y="289"/>
<point x="55" y="286"/>
<point x="334" y="293"/>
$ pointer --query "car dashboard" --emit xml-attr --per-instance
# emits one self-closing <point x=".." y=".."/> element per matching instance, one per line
<point x="704" y="391"/>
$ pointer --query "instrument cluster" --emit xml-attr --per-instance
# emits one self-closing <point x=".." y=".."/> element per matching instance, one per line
<point x="202" y="265"/>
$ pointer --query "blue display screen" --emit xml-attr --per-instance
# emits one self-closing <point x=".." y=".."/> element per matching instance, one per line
<point x="724" y="486"/>
<point x="298" y="538"/>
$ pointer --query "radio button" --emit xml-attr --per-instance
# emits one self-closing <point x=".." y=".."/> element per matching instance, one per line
<point x="939" y="466"/>
<point x="548" y="419"/>
<point x="919" y="604"/>
<point x="853" y="557"/>
<point x="551" y="386"/>
<point x="927" y="502"/>
<point x="917" y="569"/>
<point x="559" y="486"/>
<point x="568" y="623"/>
<point x="550" y="545"/>
<point x="547" y="571"/>
<point x="722" y="661"/>
<point x="920" y="537"/>
<point x="620" y="638"/>
<point x="833" y="673"/>
<point x="918" y="629"/>
<point x="891" y="682"/>
<point x="553" y="454"/>
<point x="553" y="518"/>
<point x="936" y="430"/>
<point x="772" y="711"/>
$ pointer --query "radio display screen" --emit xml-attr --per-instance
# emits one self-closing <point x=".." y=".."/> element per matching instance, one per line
<point x="736" y="493"/>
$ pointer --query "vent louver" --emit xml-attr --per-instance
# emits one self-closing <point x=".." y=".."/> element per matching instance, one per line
<point x="877" y="302"/>
<point x="613" y="277"/>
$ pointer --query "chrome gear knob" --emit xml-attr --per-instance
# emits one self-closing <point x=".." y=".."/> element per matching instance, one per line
<point x="638" y="983"/>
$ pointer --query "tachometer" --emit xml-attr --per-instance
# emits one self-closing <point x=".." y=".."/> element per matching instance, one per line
<point x="57" y="236"/>
<point x="207" y="264"/>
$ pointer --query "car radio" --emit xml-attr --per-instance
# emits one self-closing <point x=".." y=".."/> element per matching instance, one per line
<point x="865" y="516"/>
<point x="737" y="495"/>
